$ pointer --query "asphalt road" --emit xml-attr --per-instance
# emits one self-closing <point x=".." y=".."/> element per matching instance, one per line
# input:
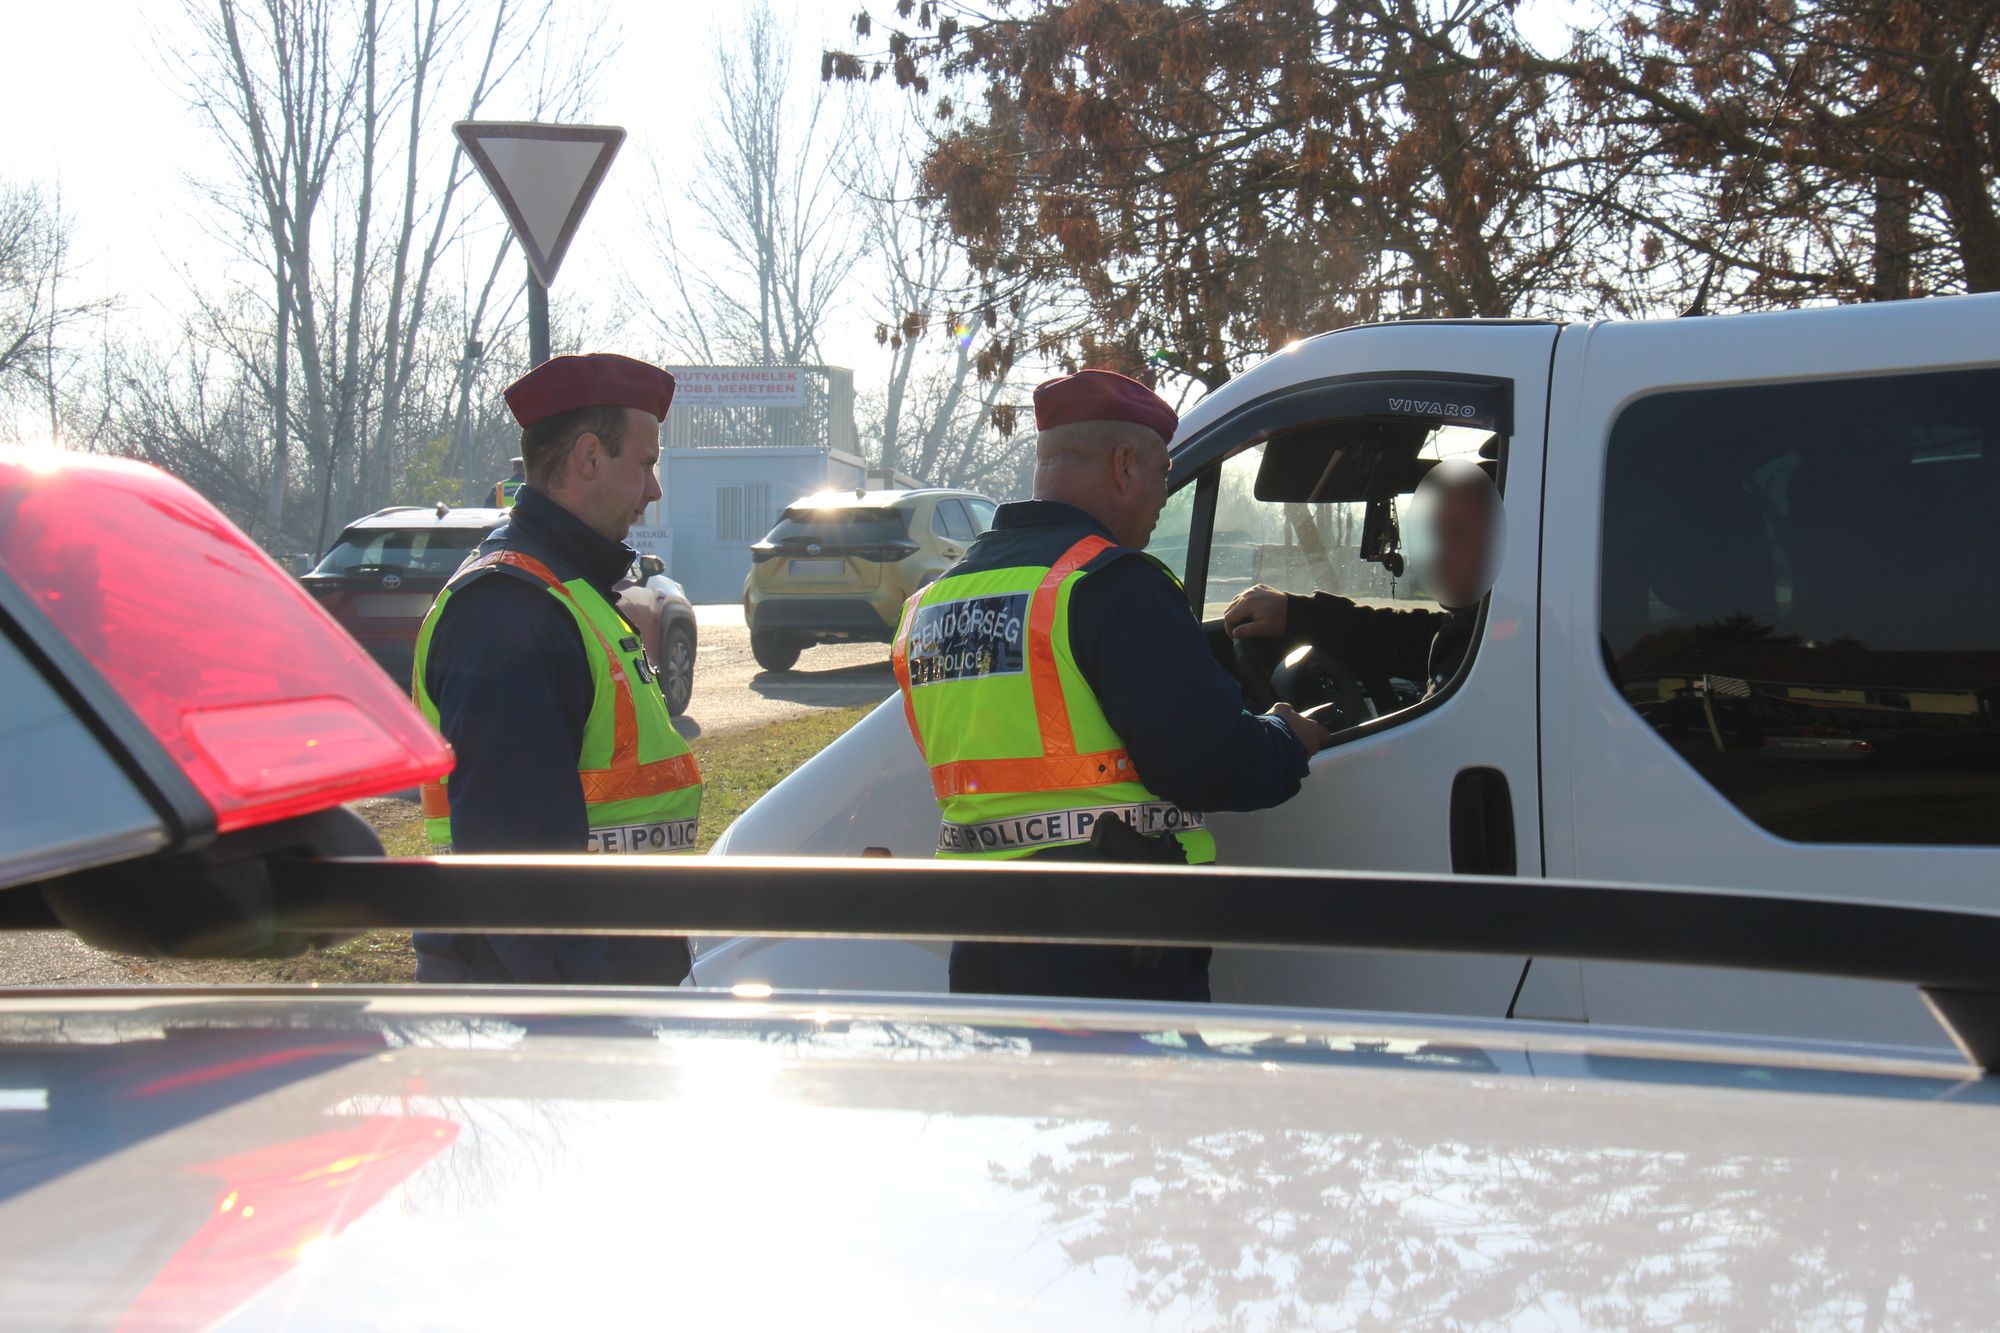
<point x="731" y="692"/>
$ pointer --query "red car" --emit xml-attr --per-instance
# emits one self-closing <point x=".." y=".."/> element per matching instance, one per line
<point x="380" y="578"/>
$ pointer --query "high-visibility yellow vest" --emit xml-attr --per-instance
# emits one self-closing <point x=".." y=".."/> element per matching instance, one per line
<point x="641" y="785"/>
<point x="505" y="491"/>
<point x="1021" y="755"/>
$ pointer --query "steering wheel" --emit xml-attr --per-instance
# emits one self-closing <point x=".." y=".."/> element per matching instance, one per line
<point x="1256" y="662"/>
<point x="1308" y="674"/>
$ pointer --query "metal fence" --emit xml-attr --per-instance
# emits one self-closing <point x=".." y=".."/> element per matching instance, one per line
<point x="824" y="421"/>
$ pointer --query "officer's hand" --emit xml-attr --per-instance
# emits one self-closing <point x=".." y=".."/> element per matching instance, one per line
<point x="1257" y="613"/>
<point x="1310" y="733"/>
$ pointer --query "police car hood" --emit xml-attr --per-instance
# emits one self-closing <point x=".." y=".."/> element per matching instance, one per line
<point x="387" y="1159"/>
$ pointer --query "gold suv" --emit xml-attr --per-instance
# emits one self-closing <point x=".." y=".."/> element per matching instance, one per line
<point x="840" y="565"/>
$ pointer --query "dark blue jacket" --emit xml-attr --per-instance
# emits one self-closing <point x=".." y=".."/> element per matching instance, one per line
<point x="1181" y="717"/>
<point x="513" y="689"/>
<point x="1378" y="642"/>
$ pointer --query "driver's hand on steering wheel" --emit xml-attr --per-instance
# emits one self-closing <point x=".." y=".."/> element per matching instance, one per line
<point x="1257" y="613"/>
<point x="1310" y="732"/>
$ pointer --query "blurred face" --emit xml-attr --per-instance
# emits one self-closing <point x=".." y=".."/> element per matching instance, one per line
<point x="610" y="491"/>
<point x="1455" y="531"/>
<point x="1464" y="534"/>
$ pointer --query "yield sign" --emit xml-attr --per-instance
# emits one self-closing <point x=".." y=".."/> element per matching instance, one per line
<point x="543" y="176"/>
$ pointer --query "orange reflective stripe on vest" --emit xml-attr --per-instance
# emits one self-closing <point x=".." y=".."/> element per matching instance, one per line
<point x="899" y="662"/>
<point x="1050" y="707"/>
<point x="1059" y="767"/>
<point x="624" y="722"/>
<point x="626" y="778"/>
<point x="604" y="785"/>
<point x="965" y="777"/>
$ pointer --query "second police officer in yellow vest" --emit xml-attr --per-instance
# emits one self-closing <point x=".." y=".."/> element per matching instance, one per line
<point x="562" y="736"/>
<point x="506" y="489"/>
<point x="1061" y="690"/>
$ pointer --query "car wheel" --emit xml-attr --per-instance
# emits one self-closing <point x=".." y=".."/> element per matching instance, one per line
<point x="773" y="651"/>
<point x="677" y="668"/>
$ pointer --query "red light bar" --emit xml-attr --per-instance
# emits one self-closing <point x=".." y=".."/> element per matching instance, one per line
<point x="256" y="694"/>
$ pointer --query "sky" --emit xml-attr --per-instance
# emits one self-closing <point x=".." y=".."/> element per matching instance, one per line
<point x="93" y="101"/>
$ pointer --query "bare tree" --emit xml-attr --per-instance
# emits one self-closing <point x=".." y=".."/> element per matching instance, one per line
<point x="769" y="193"/>
<point x="951" y="335"/>
<point x="37" y="322"/>
<point x="346" y="191"/>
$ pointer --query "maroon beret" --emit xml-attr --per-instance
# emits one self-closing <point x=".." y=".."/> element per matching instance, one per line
<point x="1102" y="395"/>
<point x="600" y="379"/>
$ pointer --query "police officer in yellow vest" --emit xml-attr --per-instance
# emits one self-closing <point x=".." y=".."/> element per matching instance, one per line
<point x="562" y="737"/>
<point x="1060" y="687"/>
<point x="505" y="491"/>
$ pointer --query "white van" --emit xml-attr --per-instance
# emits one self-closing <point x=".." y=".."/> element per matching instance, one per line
<point x="1746" y="633"/>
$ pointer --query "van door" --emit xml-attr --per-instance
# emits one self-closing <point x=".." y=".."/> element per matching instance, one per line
<point x="1274" y="501"/>
<point x="1771" y="641"/>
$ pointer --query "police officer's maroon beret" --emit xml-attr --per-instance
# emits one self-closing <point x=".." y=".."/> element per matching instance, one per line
<point x="599" y="379"/>
<point x="1102" y="395"/>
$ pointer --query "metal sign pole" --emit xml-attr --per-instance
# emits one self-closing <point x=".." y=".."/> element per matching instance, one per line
<point x="538" y="320"/>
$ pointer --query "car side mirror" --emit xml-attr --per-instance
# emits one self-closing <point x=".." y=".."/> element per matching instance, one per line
<point x="649" y="565"/>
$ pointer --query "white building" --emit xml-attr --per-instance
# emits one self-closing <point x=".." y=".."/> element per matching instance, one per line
<point x="741" y="443"/>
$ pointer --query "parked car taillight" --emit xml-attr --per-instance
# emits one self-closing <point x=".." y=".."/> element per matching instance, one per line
<point x="887" y="552"/>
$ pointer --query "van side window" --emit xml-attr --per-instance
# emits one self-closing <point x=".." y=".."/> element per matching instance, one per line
<point x="1799" y="595"/>
<point x="1314" y="509"/>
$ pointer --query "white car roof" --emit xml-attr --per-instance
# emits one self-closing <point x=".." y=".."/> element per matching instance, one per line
<point x="528" y="1159"/>
<point x="866" y="499"/>
<point x="426" y="516"/>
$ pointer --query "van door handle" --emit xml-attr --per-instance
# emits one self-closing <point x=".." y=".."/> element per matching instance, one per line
<point x="1482" y="823"/>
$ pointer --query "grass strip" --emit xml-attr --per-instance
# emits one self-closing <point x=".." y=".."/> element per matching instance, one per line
<point x="737" y="767"/>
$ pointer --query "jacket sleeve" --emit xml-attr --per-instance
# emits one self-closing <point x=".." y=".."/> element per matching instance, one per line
<point x="1180" y="714"/>
<point x="1373" y="640"/>
<point x="513" y="690"/>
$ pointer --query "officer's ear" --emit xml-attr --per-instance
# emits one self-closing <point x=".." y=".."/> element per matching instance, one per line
<point x="1124" y="465"/>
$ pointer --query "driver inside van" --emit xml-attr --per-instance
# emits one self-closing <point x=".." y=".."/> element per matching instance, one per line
<point x="1455" y="538"/>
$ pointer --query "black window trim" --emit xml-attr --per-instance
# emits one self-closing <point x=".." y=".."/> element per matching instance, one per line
<point x="1199" y="462"/>
<point x="1348" y="397"/>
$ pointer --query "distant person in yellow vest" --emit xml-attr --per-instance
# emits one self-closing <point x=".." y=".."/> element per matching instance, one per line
<point x="1065" y="697"/>
<point x="543" y="690"/>
<point x="505" y="491"/>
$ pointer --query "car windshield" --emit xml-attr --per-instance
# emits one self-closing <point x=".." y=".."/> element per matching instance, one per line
<point x="399" y="551"/>
<point x="840" y="525"/>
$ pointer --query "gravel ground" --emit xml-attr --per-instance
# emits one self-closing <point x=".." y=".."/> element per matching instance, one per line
<point x="731" y="691"/>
